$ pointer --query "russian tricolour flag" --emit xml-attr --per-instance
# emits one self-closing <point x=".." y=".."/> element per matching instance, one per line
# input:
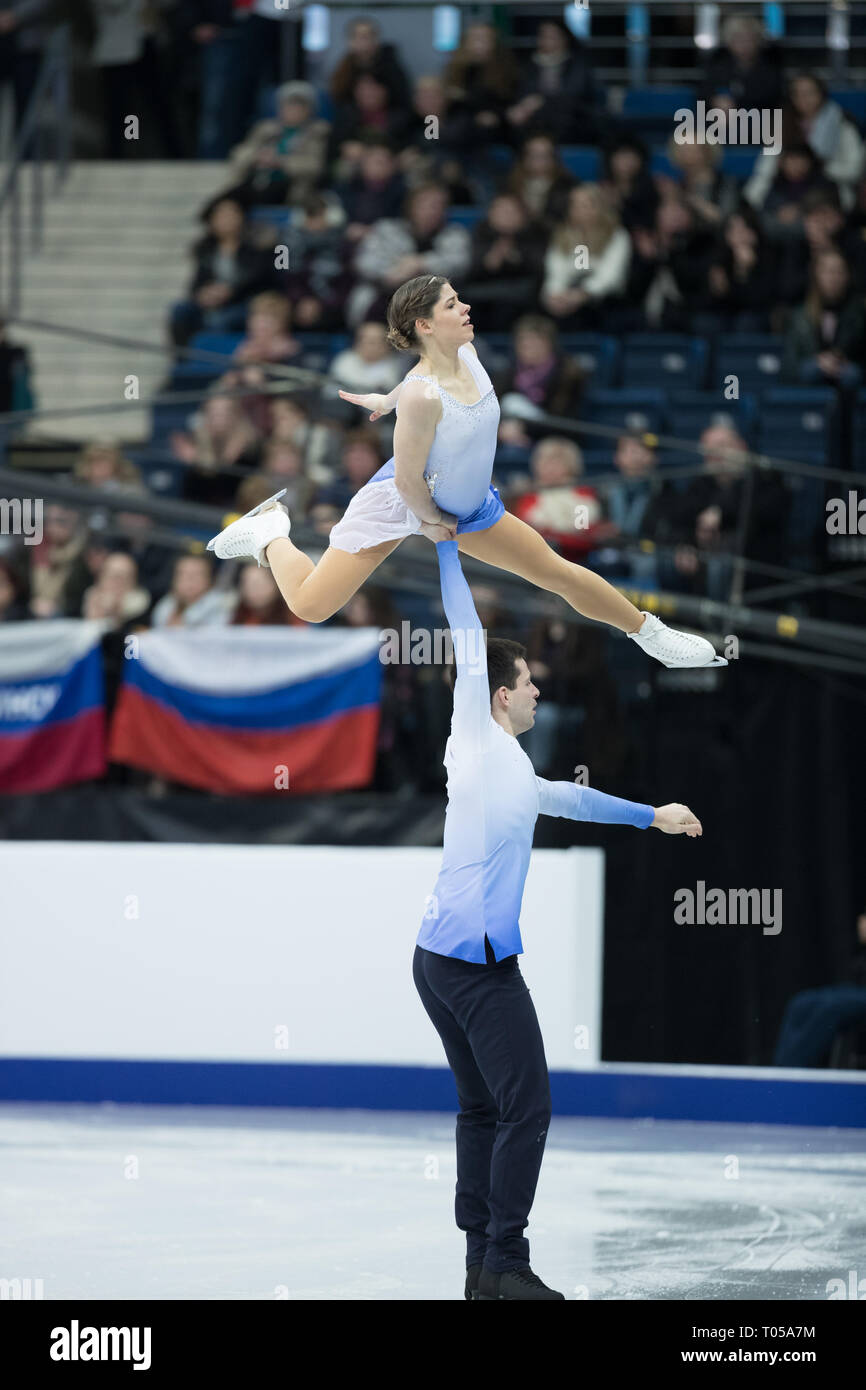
<point x="255" y="709"/>
<point x="52" y="704"/>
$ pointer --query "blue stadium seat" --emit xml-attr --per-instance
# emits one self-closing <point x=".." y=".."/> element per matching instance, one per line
<point x="754" y="358"/>
<point x="277" y="214"/>
<point x="502" y="156"/>
<point x="739" y="160"/>
<point x="636" y="409"/>
<point x="663" y="359"/>
<point x="467" y="216"/>
<point x="597" y="354"/>
<point x="690" y="412"/>
<point x="597" y="461"/>
<point x="796" y="422"/>
<point x="584" y="161"/>
<point x="854" y="102"/>
<point x="652" y="109"/>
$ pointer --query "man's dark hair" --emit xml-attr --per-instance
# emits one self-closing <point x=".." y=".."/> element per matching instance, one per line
<point x="502" y="658"/>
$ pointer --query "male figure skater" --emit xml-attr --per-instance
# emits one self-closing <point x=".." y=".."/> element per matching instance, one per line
<point x="465" y="964"/>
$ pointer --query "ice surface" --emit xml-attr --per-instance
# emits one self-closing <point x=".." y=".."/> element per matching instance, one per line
<point x="326" y="1204"/>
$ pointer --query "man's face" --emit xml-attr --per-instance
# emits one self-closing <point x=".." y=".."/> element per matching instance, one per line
<point x="521" y="701"/>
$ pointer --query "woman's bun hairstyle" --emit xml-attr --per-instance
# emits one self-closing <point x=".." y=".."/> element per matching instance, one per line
<point x="416" y="299"/>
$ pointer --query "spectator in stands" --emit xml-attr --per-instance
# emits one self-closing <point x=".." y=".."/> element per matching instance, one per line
<point x="507" y="264"/>
<point x="231" y="41"/>
<point x="699" y="180"/>
<point x="565" y="511"/>
<point x="377" y="190"/>
<point x="368" y="54"/>
<point x="543" y="378"/>
<point x="557" y="89"/>
<point x="824" y="229"/>
<point x="24" y="31"/>
<point x="630" y="505"/>
<point x="431" y="150"/>
<point x="282" y="466"/>
<point x="53" y="559"/>
<point x="793" y="175"/>
<point x="323" y="516"/>
<point x="282" y="160"/>
<point x="15" y="392"/>
<point x="116" y="597"/>
<point x="826" y="339"/>
<point x="268" y="340"/>
<point x="360" y="458"/>
<point x="370" y="364"/>
<point x="814" y="1017"/>
<point x="540" y="179"/>
<point x="703" y="523"/>
<point x="669" y="273"/>
<point x="742" y="279"/>
<point x="319" y="443"/>
<point x="13" y="607"/>
<point x="222" y="439"/>
<point x="627" y="182"/>
<point x="371" y="114"/>
<point x="481" y="82"/>
<point x="319" y="275"/>
<point x="192" y="600"/>
<point x="129" y="50"/>
<point x="814" y="119"/>
<point x="229" y="269"/>
<point x="746" y="72"/>
<point x="102" y="464"/>
<point x="587" y="260"/>
<point x="259" y="601"/>
<point x="398" y="249"/>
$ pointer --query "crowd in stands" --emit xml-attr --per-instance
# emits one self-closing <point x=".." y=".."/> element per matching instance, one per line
<point x="344" y="192"/>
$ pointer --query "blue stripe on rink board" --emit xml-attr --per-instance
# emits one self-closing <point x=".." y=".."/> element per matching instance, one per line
<point x="753" y="1098"/>
<point x="79" y="689"/>
<point x="305" y="702"/>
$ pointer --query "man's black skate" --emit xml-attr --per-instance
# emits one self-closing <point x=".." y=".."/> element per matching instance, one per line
<point x="472" y="1274"/>
<point x="513" y="1284"/>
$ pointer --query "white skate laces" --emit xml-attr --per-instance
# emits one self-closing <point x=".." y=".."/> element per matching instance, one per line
<point x="673" y="648"/>
<point x="252" y="533"/>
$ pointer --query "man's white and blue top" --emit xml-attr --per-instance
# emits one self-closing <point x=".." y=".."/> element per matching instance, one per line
<point x="494" y="799"/>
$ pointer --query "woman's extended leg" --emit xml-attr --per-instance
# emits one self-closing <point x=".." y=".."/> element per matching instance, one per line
<point x="512" y="545"/>
<point x="316" y="592"/>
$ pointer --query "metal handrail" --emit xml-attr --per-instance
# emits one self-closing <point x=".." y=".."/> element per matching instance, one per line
<point x="52" y="88"/>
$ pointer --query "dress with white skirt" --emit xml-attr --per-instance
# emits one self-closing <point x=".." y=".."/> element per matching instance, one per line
<point x="458" y="472"/>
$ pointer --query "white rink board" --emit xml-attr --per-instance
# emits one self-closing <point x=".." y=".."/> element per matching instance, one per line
<point x="264" y="953"/>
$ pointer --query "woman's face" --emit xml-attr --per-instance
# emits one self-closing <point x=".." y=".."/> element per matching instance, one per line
<point x="226" y="219"/>
<point x="428" y="211"/>
<point x="553" y="467"/>
<point x="101" y="466"/>
<point x="220" y="414"/>
<point x="538" y="158"/>
<point x="795" y="166"/>
<point x="831" y="277"/>
<point x="294" y="112"/>
<point x="370" y="95"/>
<point x="550" y="39"/>
<point x="371" y="342"/>
<point x="451" y="321"/>
<point x="583" y="207"/>
<point x="118" y="573"/>
<point x="257" y="588"/>
<point x="363" y="41"/>
<point x="625" y="164"/>
<point x="263" y="324"/>
<point x="480" y="42"/>
<point x="633" y="459"/>
<point x="360" y="462"/>
<point x="532" y="349"/>
<point x="506" y="216"/>
<point x="806" y="97"/>
<point x="285" y="461"/>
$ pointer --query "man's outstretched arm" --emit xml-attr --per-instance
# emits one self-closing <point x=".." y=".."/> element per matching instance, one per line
<point x="470" y="723"/>
<point x="586" y="803"/>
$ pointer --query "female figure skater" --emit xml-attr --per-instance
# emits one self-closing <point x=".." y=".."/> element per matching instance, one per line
<point x="438" y="484"/>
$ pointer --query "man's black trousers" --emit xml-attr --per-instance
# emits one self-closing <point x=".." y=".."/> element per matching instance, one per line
<point x="488" y="1026"/>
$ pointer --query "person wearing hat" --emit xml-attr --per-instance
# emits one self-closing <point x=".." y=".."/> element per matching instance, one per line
<point x="283" y="159"/>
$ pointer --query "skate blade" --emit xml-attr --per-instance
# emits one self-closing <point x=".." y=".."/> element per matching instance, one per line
<point x="675" y="666"/>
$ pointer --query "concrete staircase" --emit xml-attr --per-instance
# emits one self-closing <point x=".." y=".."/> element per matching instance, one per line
<point x="114" y="257"/>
